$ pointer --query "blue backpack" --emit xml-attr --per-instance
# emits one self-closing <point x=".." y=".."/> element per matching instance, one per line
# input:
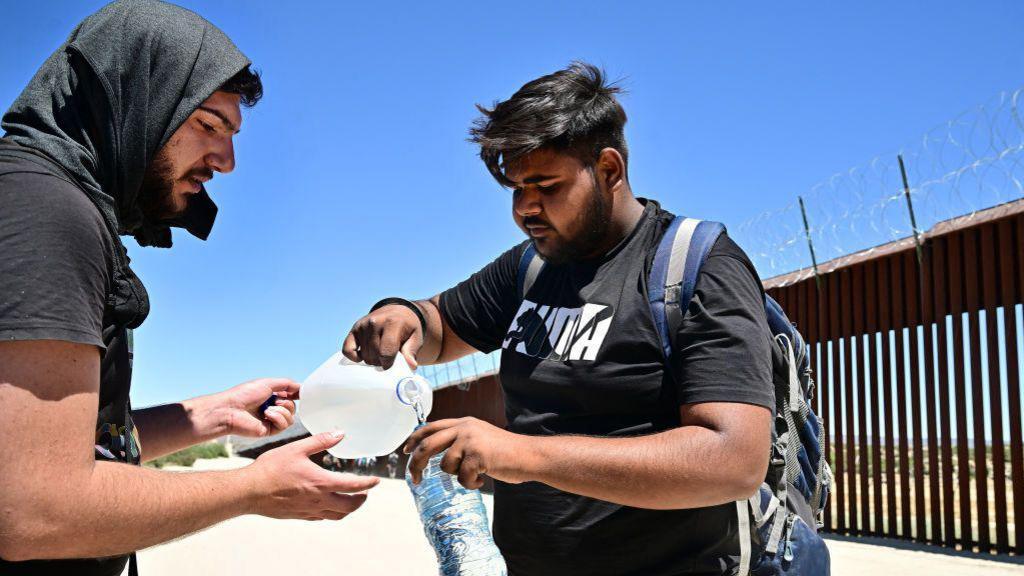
<point x="786" y="511"/>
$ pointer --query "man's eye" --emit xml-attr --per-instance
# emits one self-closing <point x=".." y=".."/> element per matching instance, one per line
<point x="207" y="127"/>
<point x="546" y="189"/>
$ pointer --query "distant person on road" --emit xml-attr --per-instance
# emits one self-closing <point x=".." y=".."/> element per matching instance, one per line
<point x="393" y="464"/>
<point x="117" y="134"/>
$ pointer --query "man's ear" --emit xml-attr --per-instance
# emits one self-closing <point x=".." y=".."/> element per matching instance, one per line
<point x="611" y="169"/>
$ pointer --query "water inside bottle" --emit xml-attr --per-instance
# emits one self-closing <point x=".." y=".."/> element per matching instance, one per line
<point x="454" y="518"/>
<point x="455" y="523"/>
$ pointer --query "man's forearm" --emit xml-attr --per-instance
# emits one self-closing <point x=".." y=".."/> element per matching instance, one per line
<point x="688" y="467"/>
<point x="440" y="344"/>
<point x="75" y="521"/>
<point x="171" y="427"/>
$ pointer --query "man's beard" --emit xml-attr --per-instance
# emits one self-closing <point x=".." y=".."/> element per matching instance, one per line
<point x="156" y="196"/>
<point x="592" y="226"/>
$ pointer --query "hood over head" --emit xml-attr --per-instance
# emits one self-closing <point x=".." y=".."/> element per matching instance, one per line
<point x="106" y="101"/>
<point x="112" y="95"/>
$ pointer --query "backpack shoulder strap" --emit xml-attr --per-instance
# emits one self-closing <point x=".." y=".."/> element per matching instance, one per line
<point x="673" y="276"/>
<point x="670" y="284"/>
<point x="530" y="265"/>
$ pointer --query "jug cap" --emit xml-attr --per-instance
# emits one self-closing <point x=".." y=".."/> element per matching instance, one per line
<point x="410" y="389"/>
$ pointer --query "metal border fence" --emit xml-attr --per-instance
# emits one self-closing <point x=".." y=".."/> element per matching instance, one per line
<point x="918" y="360"/>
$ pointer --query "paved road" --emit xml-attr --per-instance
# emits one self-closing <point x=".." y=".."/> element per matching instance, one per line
<point x="384" y="538"/>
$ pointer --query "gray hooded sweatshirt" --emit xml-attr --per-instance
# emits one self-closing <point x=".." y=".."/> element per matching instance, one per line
<point x="94" y="116"/>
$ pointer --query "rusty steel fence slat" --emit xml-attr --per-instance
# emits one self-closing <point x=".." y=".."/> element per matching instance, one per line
<point x="972" y="273"/>
<point x="899" y="384"/>
<point x="839" y="426"/>
<point x="861" y="355"/>
<point x="956" y="290"/>
<point x="990" y="300"/>
<point x="849" y="426"/>
<point x="913" y="294"/>
<point x="874" y="362"/>
<point x="886" y="290"/>
<point x="930" y="385"/>
<point x="939" y="284"/>
<point x="824" y="392"/>
<point x="1014" y="288"/>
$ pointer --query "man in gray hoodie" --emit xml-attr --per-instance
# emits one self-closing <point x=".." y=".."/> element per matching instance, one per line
<point x="117" y="134"/>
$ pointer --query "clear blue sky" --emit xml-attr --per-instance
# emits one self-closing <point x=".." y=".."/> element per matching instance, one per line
<point x="355" y="180"/>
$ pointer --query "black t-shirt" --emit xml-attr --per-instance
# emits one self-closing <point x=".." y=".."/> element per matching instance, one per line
<point x="581" y="355"/>
<point x="55" y="276"/>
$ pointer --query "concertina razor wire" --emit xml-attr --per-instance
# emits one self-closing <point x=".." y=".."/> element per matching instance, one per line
<point x="970" y="163"/>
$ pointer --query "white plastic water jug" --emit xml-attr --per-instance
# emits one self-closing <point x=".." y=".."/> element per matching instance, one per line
<point x="376" y="408"/>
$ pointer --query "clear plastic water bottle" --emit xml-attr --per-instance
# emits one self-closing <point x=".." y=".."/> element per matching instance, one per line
<point x="455" y="522"/>
<point x="376" y="408"/>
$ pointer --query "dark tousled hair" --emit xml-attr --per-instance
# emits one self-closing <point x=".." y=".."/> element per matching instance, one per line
<point x="573" y="111"/>
<point x="247" y="84"/>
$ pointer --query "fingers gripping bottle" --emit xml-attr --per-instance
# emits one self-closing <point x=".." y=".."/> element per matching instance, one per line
<point x="455" y="522"/>
<point x="376" y="408"/>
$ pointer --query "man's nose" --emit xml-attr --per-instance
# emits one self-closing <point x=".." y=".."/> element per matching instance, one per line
<point x="222" y="157"/>
<point x="526" y="203"/>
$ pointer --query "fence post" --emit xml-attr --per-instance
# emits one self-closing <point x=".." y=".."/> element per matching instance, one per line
<point x="810" y="243"/>
<point x="910" y="208"/>
<point x="464" y="384"/>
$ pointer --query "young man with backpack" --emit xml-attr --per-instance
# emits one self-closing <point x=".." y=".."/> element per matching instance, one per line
<point x="640" y="408"/>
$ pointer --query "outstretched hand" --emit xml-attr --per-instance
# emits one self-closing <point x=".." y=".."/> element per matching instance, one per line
<point x="288" y="485"/>
<point x="243" y="404"/>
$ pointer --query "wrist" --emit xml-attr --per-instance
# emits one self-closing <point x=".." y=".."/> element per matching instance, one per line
<point x="412" y="306"/>
<point x="209" y="415"/>
<point x="251" y="488"/>
<point x="527" y="452"/>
